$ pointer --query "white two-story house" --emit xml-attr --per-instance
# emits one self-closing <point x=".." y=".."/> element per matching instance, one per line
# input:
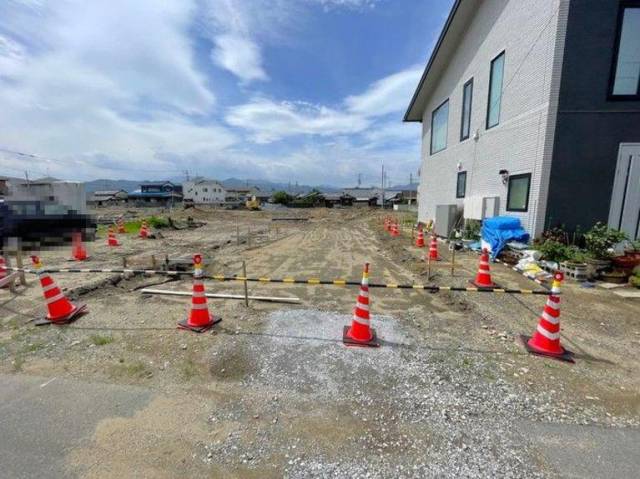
<point x="202" y="191"/>
<point x="533" y="107"/>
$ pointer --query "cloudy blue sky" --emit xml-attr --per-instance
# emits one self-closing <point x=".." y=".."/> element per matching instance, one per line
<point x="285" y="90"/>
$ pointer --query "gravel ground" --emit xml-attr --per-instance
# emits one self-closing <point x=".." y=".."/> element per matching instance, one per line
<point x="401" y="410"/>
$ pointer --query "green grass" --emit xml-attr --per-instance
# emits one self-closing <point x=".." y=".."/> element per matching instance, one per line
<point x="133" y="370"/>
<point x="100" y="340"/>
<point x="133" y="227"/>
<point x="189" y="369"/>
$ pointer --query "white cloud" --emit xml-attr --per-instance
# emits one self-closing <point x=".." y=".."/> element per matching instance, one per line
<point x="240" y="56"/>
<point x="100" y="83"/>
<point x="390" y="94"/>
<point x="269" y="121"/>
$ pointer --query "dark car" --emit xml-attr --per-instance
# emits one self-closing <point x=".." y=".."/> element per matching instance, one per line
<point x="41" y="223"/>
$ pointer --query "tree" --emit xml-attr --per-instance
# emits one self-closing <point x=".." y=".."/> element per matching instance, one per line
<point x="282" y="197"/>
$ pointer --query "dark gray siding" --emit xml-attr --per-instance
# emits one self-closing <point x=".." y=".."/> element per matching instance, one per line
<point x="589" y="127"/>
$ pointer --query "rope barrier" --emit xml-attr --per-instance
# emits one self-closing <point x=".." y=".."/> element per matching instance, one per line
<point x="308" y="281"/>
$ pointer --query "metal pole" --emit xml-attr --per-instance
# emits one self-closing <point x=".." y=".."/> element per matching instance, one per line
<point x="237" y="235"/>
<point x="428" y="267"/>
<point x="246" y="288"/>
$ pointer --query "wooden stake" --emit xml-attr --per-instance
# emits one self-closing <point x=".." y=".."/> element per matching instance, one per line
<point x="249" y="237"/>
<point x="237" y="235"/>
<point x="23" y="280"/>
<point x="453" y="259"/>
<point x="246" y="287"/>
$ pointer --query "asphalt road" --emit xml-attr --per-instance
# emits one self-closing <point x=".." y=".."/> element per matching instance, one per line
<point x="43" y="419"/>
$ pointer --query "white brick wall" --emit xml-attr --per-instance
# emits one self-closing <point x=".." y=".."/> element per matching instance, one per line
<point x="529" y="33"/>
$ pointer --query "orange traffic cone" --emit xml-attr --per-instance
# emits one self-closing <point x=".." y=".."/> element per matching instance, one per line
<point x="546" y="339"/>
<point x="433" y="249"/>
<point x="3" y="270"/>
<point x="483" y="278"/>
<point x="121" y="229"/>
<point x="360" y="333"/>
<point x="111" y="238"/>
<point x="199" y="320"/>
<point x="144" y="230"/>
<point x="394" y="230"/>
<point x="60" y="309"/>
<point x="78" y="251"/>
<point x="420" y="239"/>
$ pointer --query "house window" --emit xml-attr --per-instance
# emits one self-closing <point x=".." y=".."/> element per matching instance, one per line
<point x="439" y="125"/>
<point x="626" y="71"/>
<point x="205" y="190"/>
<point x="518" y="192"/>
<point x="467" y="97"/>
<point x="461" y="186"/>
<point x="495" y="91"/>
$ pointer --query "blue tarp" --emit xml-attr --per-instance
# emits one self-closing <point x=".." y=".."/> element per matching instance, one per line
<point x="500" y="230"/>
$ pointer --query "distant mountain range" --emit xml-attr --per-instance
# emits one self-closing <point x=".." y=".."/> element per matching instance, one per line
<point x="264" y="185"/>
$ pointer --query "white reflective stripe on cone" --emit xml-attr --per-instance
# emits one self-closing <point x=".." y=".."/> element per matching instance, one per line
<point x="199" y="306"/>
<point x="547" y="334"/>
<point x="360" y="320"/>
<point x="49" y="288"/>
<point x="555" y="289"/>
<point x="55" y="298"/>
<point x="484" y="263"/>
<point x="362" y="306"/>
<point x="199" y="294"/>
<point x="364" y="293"/>
<point x="550" y="318"/>
<point x="553" y="305"/>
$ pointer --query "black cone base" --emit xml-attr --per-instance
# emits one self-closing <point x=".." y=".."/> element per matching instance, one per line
<point x="70" y="318"/>
<point x="566" y="356"/>
<point x="184" y="324"/>
<point x="349" y="341"/>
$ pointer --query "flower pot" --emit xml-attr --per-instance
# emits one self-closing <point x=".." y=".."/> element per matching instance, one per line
<point x="597" y="266"/>
<point x="615" y="276"/>
<point x="626" y="262"/>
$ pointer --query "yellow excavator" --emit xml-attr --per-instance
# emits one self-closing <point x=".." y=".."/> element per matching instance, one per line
<point x="253" y="204"/>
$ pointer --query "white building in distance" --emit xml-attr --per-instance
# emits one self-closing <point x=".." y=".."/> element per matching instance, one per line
<point x="203" y="191"/>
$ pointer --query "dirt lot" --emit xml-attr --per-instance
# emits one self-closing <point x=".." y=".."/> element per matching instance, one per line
<point x="271" y="391"/>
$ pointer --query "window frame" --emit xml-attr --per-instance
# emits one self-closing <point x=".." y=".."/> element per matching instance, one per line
<point x="501" y="54"/>
<point x="623" y="5"/>
<point x="433" y="113"/>
<point x="458" y="184"/>
<point x="526" y="204"/>
<point x="470" y="83"/>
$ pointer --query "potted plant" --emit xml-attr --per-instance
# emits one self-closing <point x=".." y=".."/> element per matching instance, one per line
<point x="598" y="241"/>
<point x="471" y="232"/>
<point x="576" y="263"/>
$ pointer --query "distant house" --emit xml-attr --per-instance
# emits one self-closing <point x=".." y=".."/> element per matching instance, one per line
<point x="101" y="198"/>
<point x="203" y="191"/>
<point x="70" y="194"/>
<point x="363" y="196"/>
<point x="4" y="186"/>
<point x="338" y="199"/>
<point x="530" y="109"/>
<point x="163" y="192"/>
<point x="242" y="194"/>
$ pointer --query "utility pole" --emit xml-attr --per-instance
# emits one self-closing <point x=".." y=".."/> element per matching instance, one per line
<point x="359" y="179"/>
<point x="383" y="185"/>
<point x="186" y="174"/>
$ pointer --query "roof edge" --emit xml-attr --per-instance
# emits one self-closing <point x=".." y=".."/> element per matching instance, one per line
<point x="434" y="53"/>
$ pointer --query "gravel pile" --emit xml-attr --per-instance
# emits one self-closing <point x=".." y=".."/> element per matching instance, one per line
<point x="402" y="410"/>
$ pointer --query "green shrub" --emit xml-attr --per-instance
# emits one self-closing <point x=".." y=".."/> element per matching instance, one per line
<point x="553" y="250"/>
<point x="600" y="238"/>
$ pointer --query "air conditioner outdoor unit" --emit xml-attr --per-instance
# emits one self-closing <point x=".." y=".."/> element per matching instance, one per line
<point x="479" y="207"/>
<point x="445" y="219"/>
